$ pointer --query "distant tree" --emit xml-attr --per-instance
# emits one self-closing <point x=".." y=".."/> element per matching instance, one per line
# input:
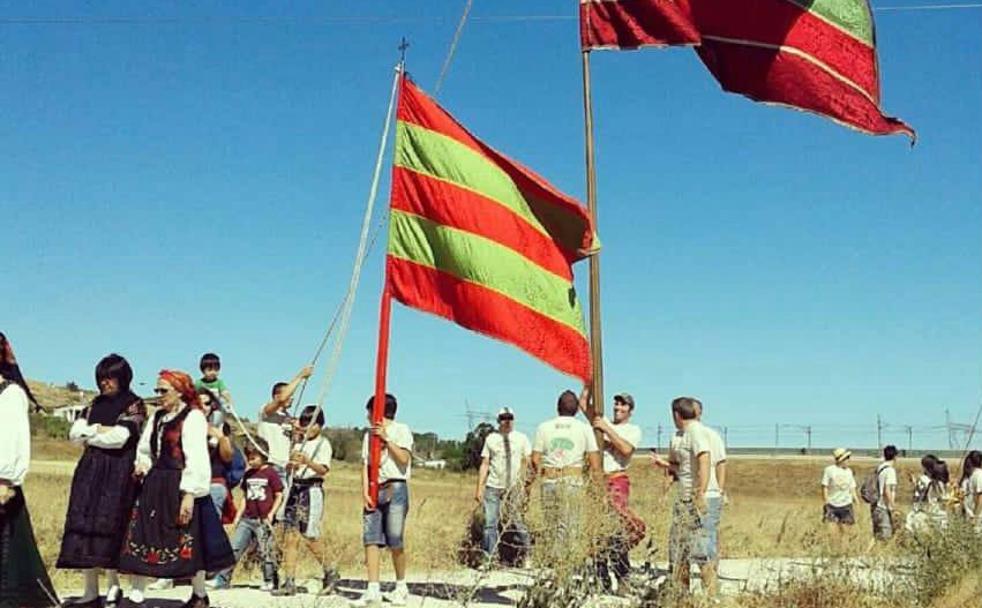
<point x="472" y="446"/>
<point x="72" y="386"/>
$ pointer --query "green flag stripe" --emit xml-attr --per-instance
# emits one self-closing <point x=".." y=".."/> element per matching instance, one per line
<point x="484" y="262"/>
<point x="852" y="16"/>
<point x="436" y="155"/>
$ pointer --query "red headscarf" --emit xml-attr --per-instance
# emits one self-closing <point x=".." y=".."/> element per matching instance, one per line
<point x="183" y="384"/>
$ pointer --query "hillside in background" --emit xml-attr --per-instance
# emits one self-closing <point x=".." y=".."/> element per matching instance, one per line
<point x="52" y="396"/>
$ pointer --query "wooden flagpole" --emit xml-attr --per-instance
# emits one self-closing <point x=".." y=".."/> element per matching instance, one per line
<point x="596" y="341"/>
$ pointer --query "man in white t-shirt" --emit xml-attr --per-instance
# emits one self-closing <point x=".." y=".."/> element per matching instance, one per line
<point x="275" y="424"/>
<point x="384" y="524"/>
<point x="839" y="492"/>
<point x="561" y="447"/>
<point x="501" y="483"/>
<point x="886" y="487"/>
<point x="621" y="438"/>
<point x="693" y="536"/>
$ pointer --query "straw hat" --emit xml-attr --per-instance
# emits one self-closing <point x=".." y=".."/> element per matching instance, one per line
<point x="841" y="454"/>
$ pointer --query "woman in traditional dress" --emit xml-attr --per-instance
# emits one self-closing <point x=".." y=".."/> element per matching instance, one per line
<point x="24" y="582"/>
<point x="103" y="487"/>
<point x="174" y="531"/>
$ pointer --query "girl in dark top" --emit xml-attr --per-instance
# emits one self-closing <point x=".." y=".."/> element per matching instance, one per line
<point x="103" y="488"/>
<point x="174" y="531"/>
<point x="24" y="582"/>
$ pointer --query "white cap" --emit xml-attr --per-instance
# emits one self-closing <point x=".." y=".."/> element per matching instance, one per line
<point x="505" y="411"/>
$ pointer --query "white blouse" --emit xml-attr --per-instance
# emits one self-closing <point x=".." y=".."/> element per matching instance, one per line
<point x="83" y="432"/>
<point x="15" y="435"/>
<point x="196" y="476"/>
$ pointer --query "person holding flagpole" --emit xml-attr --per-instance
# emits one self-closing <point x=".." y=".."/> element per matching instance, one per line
<point x="384" y="523"/>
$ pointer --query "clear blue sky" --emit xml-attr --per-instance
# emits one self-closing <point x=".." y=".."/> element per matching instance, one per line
<point x="174" y="187"/>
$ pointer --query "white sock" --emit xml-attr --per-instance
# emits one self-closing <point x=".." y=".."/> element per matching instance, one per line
<point x="401" y="585"/>
<point x="374" y="589"/>
<point x="198" y="584"/>
<point x="137" y="585"/>
<point x="112" y="578"/>
<point x="91" y="586"/>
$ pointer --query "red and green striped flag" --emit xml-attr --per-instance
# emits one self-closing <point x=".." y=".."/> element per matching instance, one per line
<point x="483" y="241"/>
<point x="813" y="55"/>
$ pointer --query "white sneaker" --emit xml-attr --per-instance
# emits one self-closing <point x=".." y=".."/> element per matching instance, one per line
<point x="399" y="597"/>
<point x="161" y="584"/>
<point x="365" y="601"/>
<point x="267" y="587"/>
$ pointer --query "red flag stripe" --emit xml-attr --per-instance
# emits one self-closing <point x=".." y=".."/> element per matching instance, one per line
<point x="488" y="312"/>
<point x="469" y="211"/>
<point x="788" y="77"/>
<point x="633" y="24"/>
<point x="781" y="23"/>
<point x="417" y="108"/>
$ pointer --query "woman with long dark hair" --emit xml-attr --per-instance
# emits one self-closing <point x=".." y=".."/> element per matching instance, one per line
<point x="928" y="508"/>
<point x="103" y="487"/>
<point x="24" y="581"/>
<point x="971" y="488"/>
<point x="174" y="531"/>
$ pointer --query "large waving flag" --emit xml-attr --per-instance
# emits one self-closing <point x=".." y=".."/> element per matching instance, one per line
<point x="482" y="241"/>
<point x="814" y="55"/>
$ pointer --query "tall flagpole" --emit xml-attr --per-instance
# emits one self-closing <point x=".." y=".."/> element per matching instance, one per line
<point x="385" y="314"/>
<point x="596" y="341"/>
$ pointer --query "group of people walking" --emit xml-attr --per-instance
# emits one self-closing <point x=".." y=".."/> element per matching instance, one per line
<point x="564" y="447"/>
<point x="935" y="494"/>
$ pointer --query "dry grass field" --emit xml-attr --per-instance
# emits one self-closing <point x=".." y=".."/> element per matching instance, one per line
<point x="775" y="511"/>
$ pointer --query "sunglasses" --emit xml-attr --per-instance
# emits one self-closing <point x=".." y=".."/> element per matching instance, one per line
<point x="161" y="391"/>
<point x="504" y="418"/>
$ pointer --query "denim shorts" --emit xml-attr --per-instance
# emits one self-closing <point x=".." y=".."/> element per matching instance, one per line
<point x="838" y="515"/>
<point x="384" y="526"/>
<point x="694" y="537"/>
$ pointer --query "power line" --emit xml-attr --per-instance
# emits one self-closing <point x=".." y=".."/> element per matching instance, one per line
<point x="368" y="19"/>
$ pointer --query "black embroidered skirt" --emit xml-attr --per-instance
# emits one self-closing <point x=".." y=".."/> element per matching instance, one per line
<point x="155" y="545"/>
<point x="103" y="491"/>
<point x="23" y="578"/>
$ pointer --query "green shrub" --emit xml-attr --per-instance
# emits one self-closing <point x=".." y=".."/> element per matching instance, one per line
<point x="49" y="426"/>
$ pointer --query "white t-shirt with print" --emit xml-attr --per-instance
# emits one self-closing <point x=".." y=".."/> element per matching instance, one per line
<point x="697" y="439"/>
<point x="886" y="478"/>
<point x="318" y="450"/>
<point x="400" y="435"/>
<point x="841" y="483"/>
<point x="971" y="488"/>
<point x="563" y="442"/>
<point x="498" y="459"/>
<point x="613" y="461"/>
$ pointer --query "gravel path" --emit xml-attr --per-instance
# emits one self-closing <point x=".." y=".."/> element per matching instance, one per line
<point x="504" y="588"/>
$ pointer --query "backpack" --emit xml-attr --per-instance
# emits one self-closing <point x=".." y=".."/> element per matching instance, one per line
<point x="870" y="490"/>
<point x="236" y="469"/>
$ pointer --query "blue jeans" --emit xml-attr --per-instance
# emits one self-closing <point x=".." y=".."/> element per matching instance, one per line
<point x="385" y="525"/>
<point x="246" y="532"/>
<point x="497" y="500"/>
<point x="218" y="494"/>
